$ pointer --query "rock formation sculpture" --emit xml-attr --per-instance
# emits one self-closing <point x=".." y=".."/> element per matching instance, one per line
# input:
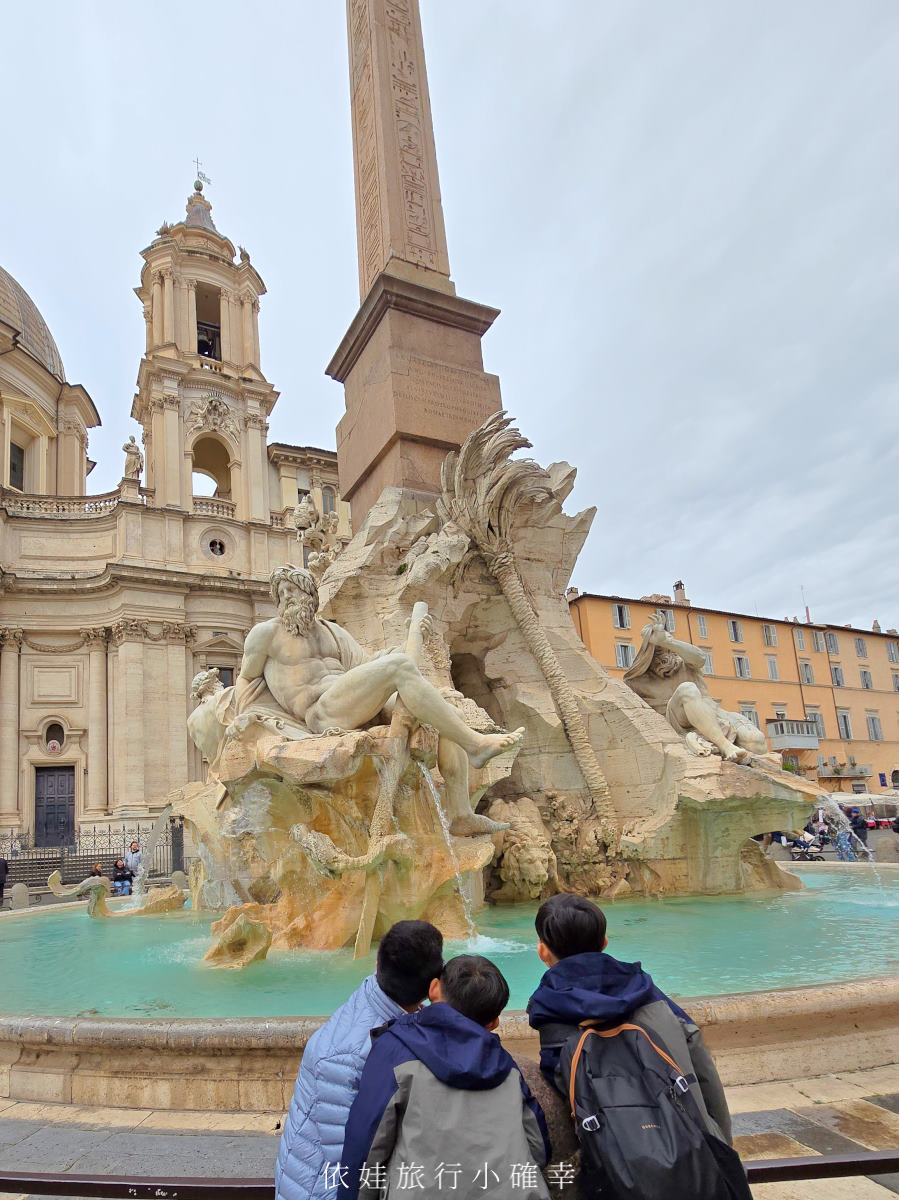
<point x="97" y="888"/>
<point x="318" y="820"/>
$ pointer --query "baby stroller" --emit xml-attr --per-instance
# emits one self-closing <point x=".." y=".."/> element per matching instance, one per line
<point x="802" y="850"/>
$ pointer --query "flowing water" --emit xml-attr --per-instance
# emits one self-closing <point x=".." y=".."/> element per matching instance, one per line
<point x="464" y="895"/>
<point x="59" y="962"/>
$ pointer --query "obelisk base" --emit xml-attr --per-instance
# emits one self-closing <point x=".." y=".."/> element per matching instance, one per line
<point x="415" y="388"/>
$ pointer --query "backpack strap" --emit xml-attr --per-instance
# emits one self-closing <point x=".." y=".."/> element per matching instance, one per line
<point x="613" y="1032"/>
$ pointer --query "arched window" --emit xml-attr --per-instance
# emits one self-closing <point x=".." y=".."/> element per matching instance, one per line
<point x="54" y="735"/>
<point x="210" y="469"/>
<point x="329" y="500"/>
<point x="894" y="779"/>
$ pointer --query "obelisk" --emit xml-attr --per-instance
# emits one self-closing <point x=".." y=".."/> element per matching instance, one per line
<point x="410" y="362"/>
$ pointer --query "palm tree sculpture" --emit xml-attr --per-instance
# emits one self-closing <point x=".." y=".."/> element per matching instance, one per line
<point x="486" y="494"/>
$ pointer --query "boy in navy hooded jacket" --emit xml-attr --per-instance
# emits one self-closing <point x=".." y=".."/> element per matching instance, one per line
<point x="442" y="1106"/>
<point x="585" y="984"/>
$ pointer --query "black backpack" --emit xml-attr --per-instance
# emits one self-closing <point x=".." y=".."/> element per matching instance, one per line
<point x="641" y="1132"/>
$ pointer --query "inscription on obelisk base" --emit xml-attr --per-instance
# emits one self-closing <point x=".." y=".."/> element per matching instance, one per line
<point x="411" y="360"/>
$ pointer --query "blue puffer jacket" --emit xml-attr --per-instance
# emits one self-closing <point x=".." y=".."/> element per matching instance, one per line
<point x="326" y="1086"/>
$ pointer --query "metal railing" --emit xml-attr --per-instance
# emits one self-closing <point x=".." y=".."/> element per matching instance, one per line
<point x="33" y="865"/>
<point x="771" y="1170"/>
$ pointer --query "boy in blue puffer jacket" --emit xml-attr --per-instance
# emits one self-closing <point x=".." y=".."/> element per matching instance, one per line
<point x="410" y="956"/>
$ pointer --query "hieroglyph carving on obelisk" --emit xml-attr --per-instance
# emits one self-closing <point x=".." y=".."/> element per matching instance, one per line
<point x="398" y="209"/>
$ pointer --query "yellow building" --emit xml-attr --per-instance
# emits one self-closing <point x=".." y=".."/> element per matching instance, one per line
<point x="826" y="695"/>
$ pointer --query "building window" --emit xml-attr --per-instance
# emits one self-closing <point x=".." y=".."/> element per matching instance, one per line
<point x="621" y="616"/>
<point x="817" y="640"/>
<point x="209" y="322"/>
<point x="836" y="676"/>
<point x="741" y="666"/>
<point x="624" y="655"/>
<point x="226" y="675"/>
<point x="217" y="547"/>
<point x="813" y="715"/>
<point x="861" y="648"/>
<point x="800" y="639"/>
<point x="893" y="652"/>
<point x="669" y="619"/>
<point x="770" y="633"/>
<point x="875" y="729"/>
<point x="703" y="627"/>
<point x="791" y="762"/>
<point x="833" y="645"/>
<point x="748" y="711"/>
<point x="329" y="500"/>
<point x="865" y="677"/>
<point x="735" y="629"/>
<point x="806" y="674"/>
<point x="16" y="467"/>
<point x="844" y="724"/>
<point x="772" y="666"/>
<point x="708" y="666"/>
<point x="895" y="682"/>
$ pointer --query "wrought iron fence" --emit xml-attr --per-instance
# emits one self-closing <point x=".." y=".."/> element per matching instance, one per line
<point x="32" y="865"/>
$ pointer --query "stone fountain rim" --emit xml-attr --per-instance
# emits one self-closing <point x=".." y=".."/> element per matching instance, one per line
<point x="266" y="1034"/>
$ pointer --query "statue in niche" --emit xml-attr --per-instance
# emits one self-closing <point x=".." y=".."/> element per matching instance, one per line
<point x="304" y="677"/>
<point x="134" y="460"/>
<point x="306" y="515"/>
<point x="667" y="674"/>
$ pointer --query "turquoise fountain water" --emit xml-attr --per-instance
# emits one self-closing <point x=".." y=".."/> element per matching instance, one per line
<point x="843" y="926"/>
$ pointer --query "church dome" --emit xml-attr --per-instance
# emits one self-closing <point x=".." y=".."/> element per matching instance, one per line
<point x="19" y="310"/>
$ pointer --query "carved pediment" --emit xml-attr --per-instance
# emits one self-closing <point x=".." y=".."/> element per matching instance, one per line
<point x="212" y="412"/>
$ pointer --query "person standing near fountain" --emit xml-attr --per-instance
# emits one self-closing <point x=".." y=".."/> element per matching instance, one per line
<point x="410" y="957"/>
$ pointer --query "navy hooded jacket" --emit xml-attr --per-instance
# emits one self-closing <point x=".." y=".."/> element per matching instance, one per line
<point x="590" y="987"/>
<point x="437" y="1088"/>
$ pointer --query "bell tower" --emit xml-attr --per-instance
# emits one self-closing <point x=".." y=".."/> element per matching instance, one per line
<point x="202" y="399"/>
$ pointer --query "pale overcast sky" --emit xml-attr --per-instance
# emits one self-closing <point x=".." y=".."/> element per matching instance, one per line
<point x="686" y="212"/>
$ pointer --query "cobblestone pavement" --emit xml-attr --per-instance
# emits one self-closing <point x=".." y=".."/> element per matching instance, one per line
<point x="829" y="1114"/>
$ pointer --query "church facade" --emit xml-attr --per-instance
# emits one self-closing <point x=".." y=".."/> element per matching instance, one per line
<point x="109" y="604"/>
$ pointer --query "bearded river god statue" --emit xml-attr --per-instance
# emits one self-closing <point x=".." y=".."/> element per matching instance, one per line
<point x="324" y="822"/>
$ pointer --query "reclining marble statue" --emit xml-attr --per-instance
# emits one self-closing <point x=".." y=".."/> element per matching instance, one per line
<point x="306" y="696"/>
<point x="307" y="677"/>
<point x="667" y="674"/>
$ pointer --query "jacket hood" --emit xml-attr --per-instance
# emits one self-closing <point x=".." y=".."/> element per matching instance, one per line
<point x="591" y="987"/>
<point x="460" y="1053"/>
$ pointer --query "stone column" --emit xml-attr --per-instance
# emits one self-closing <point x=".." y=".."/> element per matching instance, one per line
<point x="247" y="325"/>
<point x="96" y="721"/>
<point x="131" y="734"/>
<point x="225" y="324"/>
<point x="10" y="645"/>
<point x="158" y="324"/>
<point x="399" y="217"/>
<point x="191" y="316"/>
<point x="415" y="385"/>
<point x="255" y="356"/>
<point x="181" y="314"/>
<point x="168" y="284"/>
<point x="257" y="473"/>
<point x="174" y="481"/>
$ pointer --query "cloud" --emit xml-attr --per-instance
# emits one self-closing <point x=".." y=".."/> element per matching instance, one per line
<point x="686" y="213"/>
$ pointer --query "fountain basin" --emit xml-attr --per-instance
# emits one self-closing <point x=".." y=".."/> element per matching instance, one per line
<point x="230" y="1042"/>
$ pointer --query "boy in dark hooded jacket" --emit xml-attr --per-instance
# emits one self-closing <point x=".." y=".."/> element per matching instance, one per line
<point x="583" y="984"/>
<point x="441" y="1105"/>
